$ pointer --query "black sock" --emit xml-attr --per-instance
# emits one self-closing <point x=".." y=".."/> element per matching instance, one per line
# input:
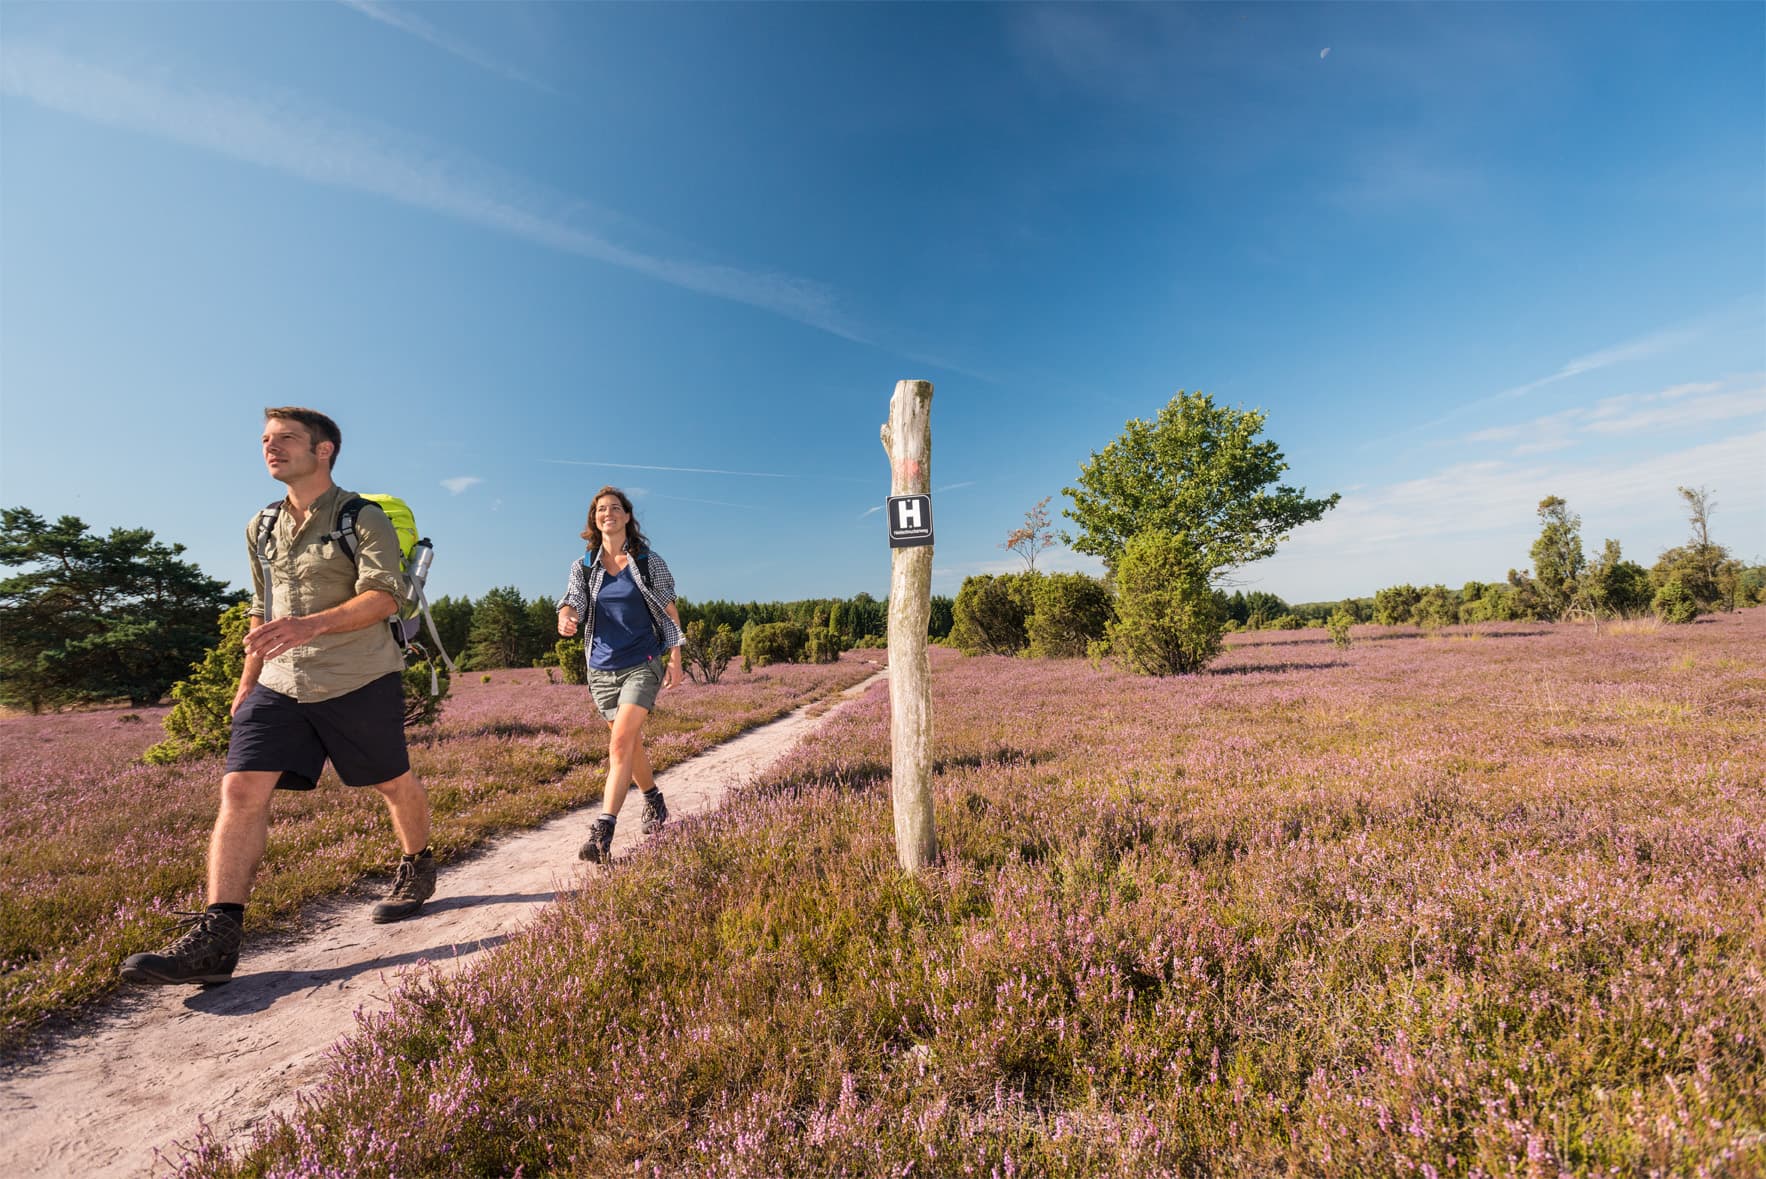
<point x="609" y="819"/>
<point x="422" y="855"/>
<point x="653" y="792"/>
<point x="237" y="912"/>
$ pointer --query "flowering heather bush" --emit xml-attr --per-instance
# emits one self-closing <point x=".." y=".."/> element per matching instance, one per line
<point x="96" y="848"/>
<point x="1428" y="906"/>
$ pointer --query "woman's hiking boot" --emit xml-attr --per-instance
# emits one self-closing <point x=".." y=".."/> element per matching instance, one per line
<point x="598" y="847"/>
<point x="207" y="952"/>
<point x="413" y="884"/>
<point x="655" y="811"/>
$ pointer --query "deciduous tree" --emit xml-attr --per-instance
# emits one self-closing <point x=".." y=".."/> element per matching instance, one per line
<point x="1196" y="472"/>
<point x="1558" y="563"/>
<point x="1035" y="538"/>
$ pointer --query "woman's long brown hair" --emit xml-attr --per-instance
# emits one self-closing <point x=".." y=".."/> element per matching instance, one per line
<point x="633" y="533"/>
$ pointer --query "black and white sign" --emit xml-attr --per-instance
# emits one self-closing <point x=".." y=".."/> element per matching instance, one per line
<point x="910" y="521"/>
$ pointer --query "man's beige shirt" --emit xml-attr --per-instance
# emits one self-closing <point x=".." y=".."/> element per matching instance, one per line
<point x="310" y="573"/>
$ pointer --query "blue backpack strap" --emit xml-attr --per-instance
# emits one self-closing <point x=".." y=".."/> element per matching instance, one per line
<point x="266" y="532"/>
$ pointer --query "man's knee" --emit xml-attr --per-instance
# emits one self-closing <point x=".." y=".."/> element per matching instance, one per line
<point x="247" y="790"/>
<point x="403" y="786"/>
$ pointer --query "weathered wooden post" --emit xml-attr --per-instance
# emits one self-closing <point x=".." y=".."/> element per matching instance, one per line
<point x="907" y="438"/>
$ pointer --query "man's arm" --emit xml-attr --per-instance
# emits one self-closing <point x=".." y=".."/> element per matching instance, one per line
<point x="248" y="675"/>
<point x="269" y="639"/>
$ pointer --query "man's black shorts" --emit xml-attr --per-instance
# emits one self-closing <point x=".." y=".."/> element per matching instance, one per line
<point x="362" y="732"/>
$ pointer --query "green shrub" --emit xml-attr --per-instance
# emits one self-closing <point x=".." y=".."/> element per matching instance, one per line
<point x="1394" y="604"/>
<point x="709" y="654"/>
<point x="773" y="642"/>
<point x="568" y="655"/>
<point x="1676" y="601"/>
<point x="201" y="718"/>
<point x="1339" y="624"/>
<point x="1168" y="620"/>
<point x="421" y="705"/>
<point x="1286" y="622"/>
<point x="1070" y="612"/>
<point x="992" y="614"/>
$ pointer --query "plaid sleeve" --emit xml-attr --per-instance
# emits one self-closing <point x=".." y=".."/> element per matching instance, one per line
<point x="576" y="594"/>
<point x="662" y="592"/>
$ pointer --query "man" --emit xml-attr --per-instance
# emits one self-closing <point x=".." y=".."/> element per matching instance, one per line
<point x="322" y="679"/>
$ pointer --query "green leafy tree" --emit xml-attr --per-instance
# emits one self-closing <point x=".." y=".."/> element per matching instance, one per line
<point x="94" y="618"/>
<point x="1558" y="563"/>
<point x="1070" y="612"/>
<point x="1339" y="624"/>
<point x="992" y="614"/>
<point x="1704" y="570"/>
<point x="1168" y="620"/>
<point x="1197" y="473"/>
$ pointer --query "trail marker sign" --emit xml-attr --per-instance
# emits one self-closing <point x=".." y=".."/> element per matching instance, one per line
<point x="910" y="521"/>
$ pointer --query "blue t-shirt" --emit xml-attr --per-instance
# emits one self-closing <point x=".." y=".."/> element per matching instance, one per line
<point x="624" y="635"/>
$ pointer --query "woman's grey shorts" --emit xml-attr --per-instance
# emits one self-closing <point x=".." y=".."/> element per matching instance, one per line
<point x="629" y="685"/>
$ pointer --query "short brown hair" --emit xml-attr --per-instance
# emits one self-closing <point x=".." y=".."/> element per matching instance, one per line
<point x="319" y="427"/>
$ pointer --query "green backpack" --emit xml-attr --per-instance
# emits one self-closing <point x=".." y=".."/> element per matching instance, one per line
<point x="415" y="555"/>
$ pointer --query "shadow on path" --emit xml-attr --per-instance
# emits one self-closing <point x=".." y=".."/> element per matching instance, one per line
<point x="252" y="993"/>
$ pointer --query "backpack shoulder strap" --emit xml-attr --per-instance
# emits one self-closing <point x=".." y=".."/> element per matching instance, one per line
<point x="345" y="531"/>
<point x="267" y="527"/>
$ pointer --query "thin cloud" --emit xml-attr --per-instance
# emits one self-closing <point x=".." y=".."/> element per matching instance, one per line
<point x="460" y="483"/>
<point x="416" y="26"/>
<point x="1697" y="403"/>
<point x="326" y="151"/>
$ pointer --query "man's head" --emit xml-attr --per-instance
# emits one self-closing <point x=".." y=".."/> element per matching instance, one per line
<point x="296" y="440"/>
<point x="322" y="435"/>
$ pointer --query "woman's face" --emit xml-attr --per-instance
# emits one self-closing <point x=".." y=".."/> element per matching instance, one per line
<point x="610" y="515"/>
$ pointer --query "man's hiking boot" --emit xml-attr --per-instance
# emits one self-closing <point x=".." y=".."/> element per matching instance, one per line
<point x="413" y="884"/>
<point x="207" y="952"/>
<point x="598" y="847"/>
<point x="655" y="812"/>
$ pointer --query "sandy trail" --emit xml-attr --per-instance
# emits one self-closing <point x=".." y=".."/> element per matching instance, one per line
<point x="137" y="1079"/>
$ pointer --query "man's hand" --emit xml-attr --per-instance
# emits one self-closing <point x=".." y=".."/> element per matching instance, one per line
<point x="566" y="621"/>
<point x="275" y="638"/>
<point x="672" y="677"/>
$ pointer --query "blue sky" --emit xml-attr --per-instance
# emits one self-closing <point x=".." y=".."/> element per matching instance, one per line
<point x="1463" y="257"/>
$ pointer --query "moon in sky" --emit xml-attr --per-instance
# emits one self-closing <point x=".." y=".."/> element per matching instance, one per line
<point x="1324" y="53"/>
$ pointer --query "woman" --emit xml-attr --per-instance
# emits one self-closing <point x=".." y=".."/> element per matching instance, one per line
<point x="627" y="596"/>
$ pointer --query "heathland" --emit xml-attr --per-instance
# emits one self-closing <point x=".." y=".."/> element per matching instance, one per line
<point x="1470" y="902"/>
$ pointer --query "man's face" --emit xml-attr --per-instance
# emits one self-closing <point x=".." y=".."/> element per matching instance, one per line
<point x="289" y="451"/>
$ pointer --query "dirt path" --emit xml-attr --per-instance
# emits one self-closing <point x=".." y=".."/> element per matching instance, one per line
<point x="107" y="1099"/>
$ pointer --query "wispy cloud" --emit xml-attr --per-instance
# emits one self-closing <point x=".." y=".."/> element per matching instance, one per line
<point x="685" y="470"/>
<point x="1678" y="407"/>
<point x="330" y="150"/>
<point x="460" y="483"/>
<point x="408" y="22"/>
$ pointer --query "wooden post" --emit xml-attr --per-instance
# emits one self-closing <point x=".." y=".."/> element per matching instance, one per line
<point x="907" y="438"/>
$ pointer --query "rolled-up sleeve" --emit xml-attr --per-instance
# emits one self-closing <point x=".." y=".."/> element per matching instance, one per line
<point x="379" y="566"/>
<point x="256" y="609"/>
